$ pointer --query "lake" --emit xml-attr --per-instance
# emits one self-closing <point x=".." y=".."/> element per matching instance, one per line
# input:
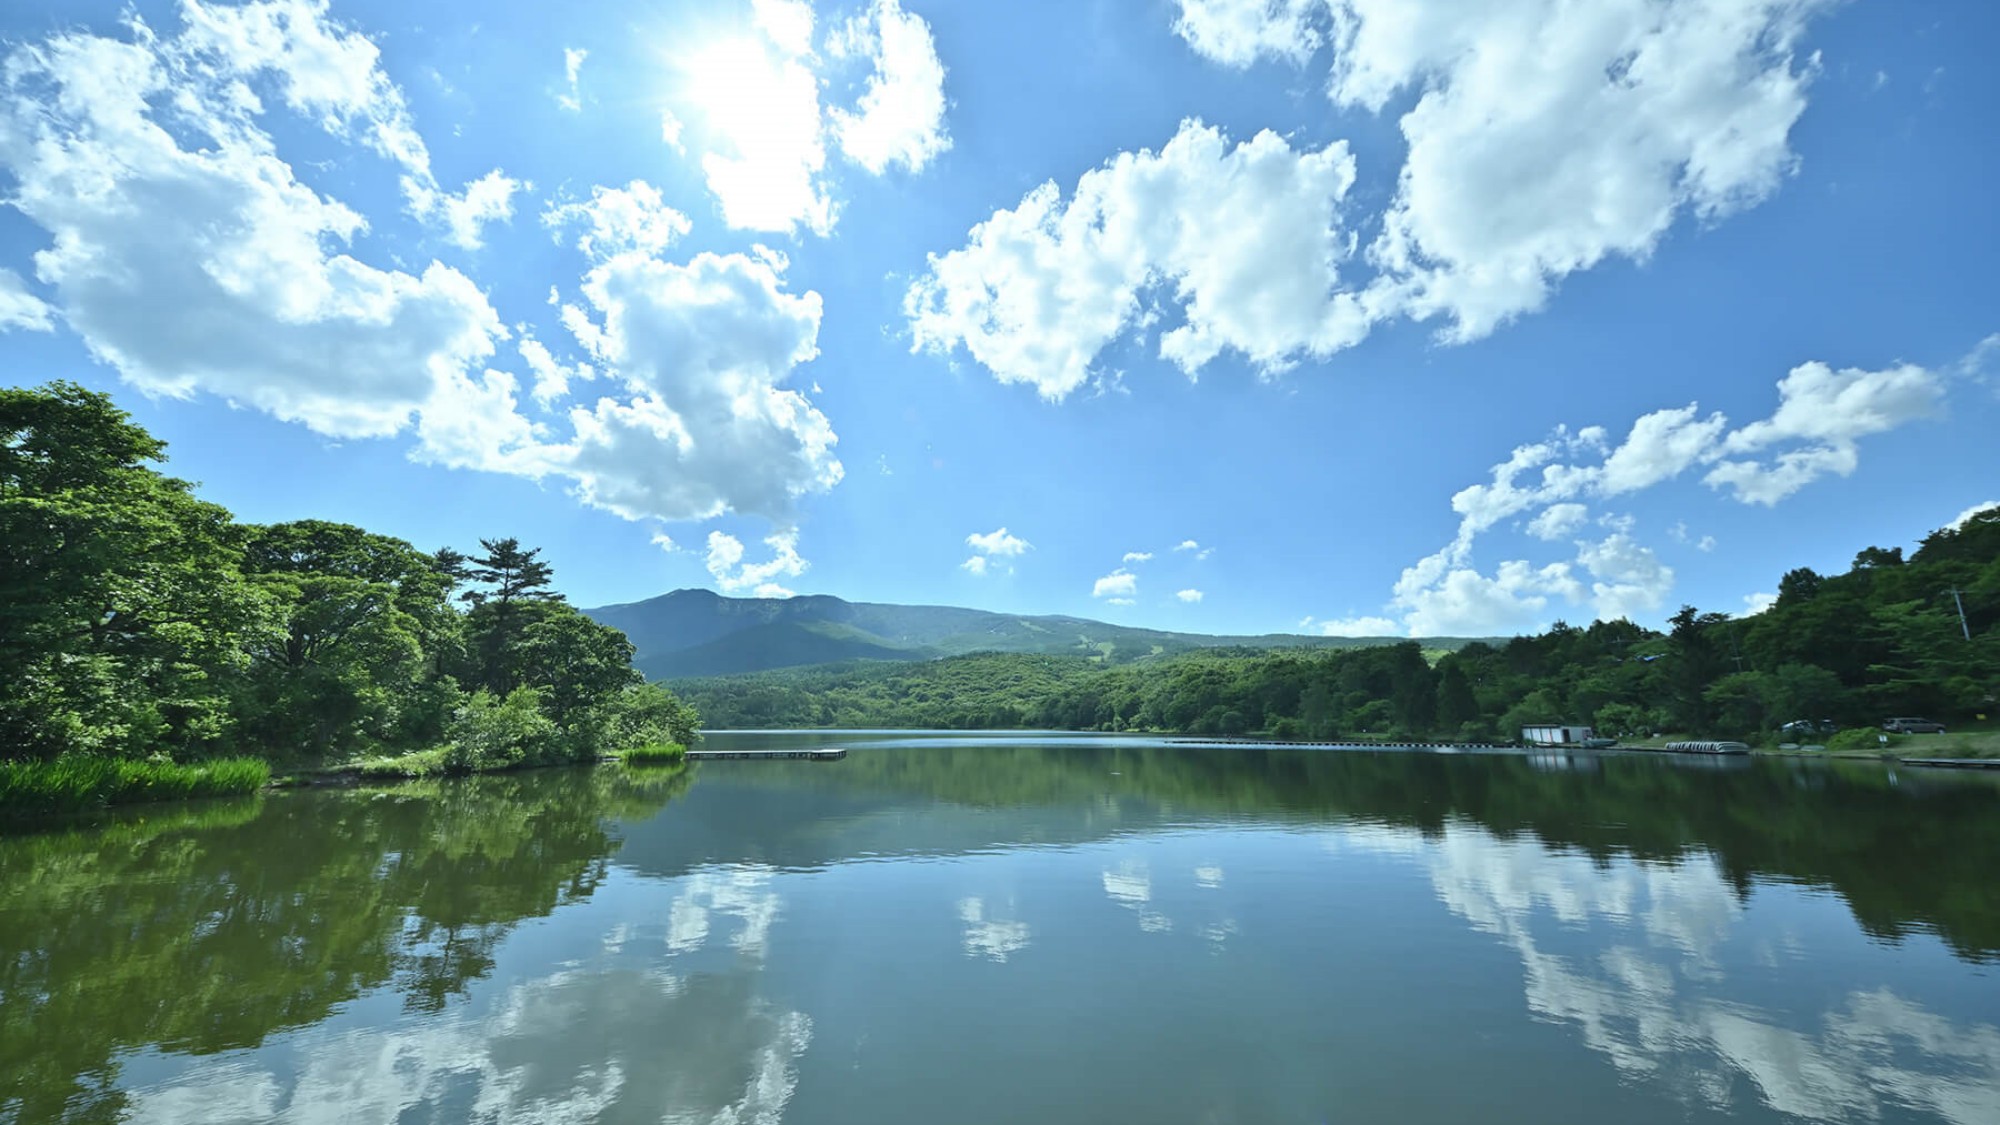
<point x="1024" y="928"/>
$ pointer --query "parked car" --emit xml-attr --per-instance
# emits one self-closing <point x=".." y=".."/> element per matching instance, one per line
<point x="1913" y="726"/>
<point x="1809" y="726"/>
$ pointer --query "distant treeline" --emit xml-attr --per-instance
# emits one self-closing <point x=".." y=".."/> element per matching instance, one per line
<point x="138" y="622"/>
<point x="1886" y="638"/>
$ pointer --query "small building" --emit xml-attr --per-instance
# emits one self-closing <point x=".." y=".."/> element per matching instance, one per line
<point x="1555" y="734"/>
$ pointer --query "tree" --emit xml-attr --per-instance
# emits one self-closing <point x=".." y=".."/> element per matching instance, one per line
<point x="518" y="579"/>
<point x="121" y="602"/>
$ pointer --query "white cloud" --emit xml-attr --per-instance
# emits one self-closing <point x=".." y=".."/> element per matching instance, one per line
<point x="665" y="542"/>
<point x="756" y="96"/>
<point x="734" y="576"/>
<point x="1190" y="546"/>
<point x="20" y="308"/>
<point x="1829" y="411"/>
<point x="619" y="220"/>
<point x="1040" y="290"/>
<point x="997" y="544"/>
<point x="552" y="378"/>
<point x="572" y="99"/>
<point x="900" y="117"/>
<point x="1354" y="627"/>
<point x="488" y="199"/>
<point x="758" y="100"/>
<point x="1239" y="32"/>
<point x="1121" y="601"/>
<point x="1661" y="445"/>
<point x="1138" y="556"/>
<point x="1188" y="595"/>
<point x="1754" y="604"/>
<point x="1964" y="517"/>
<point x="1630" y="579"/>
<point x="1120" y="583"/>
<point x="1820" y="418"/>
<point x="703" y="348"/>
<point x="1543" y="137"/>
<point x="1558" y="521"/>
<point x="186" y="253"/>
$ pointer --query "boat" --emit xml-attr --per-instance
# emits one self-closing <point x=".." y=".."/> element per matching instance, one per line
<point x="1598" y="743"/>
<point x="1708" y="747"/>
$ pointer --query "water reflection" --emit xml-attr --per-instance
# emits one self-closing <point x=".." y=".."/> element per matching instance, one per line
<point x="986" y="937"/>
<point x="1660" y="992"/>
<point x="208" y="928"/>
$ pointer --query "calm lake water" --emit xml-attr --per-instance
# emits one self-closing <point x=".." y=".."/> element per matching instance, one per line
<point x="972" y="929"/>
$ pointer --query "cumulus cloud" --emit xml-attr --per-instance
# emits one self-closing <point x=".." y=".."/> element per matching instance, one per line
<point x="185" y="252"/>
<point x="1138" y="556"/>
<point x="900" y="116"/>
<point x="1542" y="138"/>
<point x="20" y="308"/>
<point x="765" y="131"/>
<point x="619" y="220"/>
<point x="1826" y="412"/>
<point x="1189" y="546"/>
<point x="1120" y="583"/>
<point x="991" y="545"/>
<point x="1188" y="595"/>
<point x="702" y="347"/>
<point x="1822" y="415"/>
<point x="1040" y="290"/>
<point x="734" y="576"/>
<point x="1754" y="604"/>
<point x="488" y="199"/>
<point x="187" y="255"/>
<point x="1558" y="521"/>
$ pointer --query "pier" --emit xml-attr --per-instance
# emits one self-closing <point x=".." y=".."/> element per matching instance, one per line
<point x="814" y="754"/>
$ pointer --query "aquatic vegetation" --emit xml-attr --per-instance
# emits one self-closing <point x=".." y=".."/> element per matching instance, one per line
<point x="77" y="783"/>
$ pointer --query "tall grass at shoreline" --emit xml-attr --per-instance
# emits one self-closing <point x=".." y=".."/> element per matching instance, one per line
<point x="76" y="783"/>
<point x="658" y="754"/>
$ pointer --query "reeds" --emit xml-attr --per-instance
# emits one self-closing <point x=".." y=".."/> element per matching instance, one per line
<point x="77" y="783"/>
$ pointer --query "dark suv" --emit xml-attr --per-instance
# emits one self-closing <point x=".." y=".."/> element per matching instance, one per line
<point x="1913" y="726"/>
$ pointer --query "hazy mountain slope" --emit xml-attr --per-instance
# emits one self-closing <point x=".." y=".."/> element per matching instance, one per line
<point x="701" y="633"/>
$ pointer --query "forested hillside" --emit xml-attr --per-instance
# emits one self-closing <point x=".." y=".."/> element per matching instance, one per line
<point x="1886" y="638"/>
<point x="701" y="633"/>
<point x="139" y="623"/>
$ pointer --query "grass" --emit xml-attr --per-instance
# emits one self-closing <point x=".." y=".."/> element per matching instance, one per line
<point x="658" y="754"/>
<point x="78" y="783"/>
<point x="416" y="763"/>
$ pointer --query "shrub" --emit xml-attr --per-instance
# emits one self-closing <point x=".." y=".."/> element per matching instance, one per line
<point x="489" y="734"/>
<point x="1863" y="738"/>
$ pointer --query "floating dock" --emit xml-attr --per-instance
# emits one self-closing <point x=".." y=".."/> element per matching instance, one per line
<point x="1954" y="763"/>
<point x="815" y="754"/>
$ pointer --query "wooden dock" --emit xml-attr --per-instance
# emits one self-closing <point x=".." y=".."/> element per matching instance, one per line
<point x="813" y="754"/>
<point x="1954" y="763"/>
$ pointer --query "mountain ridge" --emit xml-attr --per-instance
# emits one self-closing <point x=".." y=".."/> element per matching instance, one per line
<point x="694" y="632"/>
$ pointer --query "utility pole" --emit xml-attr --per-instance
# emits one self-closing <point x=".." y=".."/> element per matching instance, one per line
<point x="1960" y="603"/>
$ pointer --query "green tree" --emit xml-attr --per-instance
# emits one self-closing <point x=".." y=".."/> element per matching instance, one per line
<point x="121" y="603"/>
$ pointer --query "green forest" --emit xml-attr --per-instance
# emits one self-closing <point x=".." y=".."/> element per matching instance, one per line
<point x="1884" y="639"/>
<point x="150" y="643"/>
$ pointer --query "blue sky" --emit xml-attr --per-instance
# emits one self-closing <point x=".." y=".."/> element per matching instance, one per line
<point x="1215" y="315"/>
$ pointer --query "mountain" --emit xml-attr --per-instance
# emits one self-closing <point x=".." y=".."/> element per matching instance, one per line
<point x="701" y="633"/>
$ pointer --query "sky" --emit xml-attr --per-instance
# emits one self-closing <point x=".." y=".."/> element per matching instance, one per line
<point x="1417" y="317"/>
